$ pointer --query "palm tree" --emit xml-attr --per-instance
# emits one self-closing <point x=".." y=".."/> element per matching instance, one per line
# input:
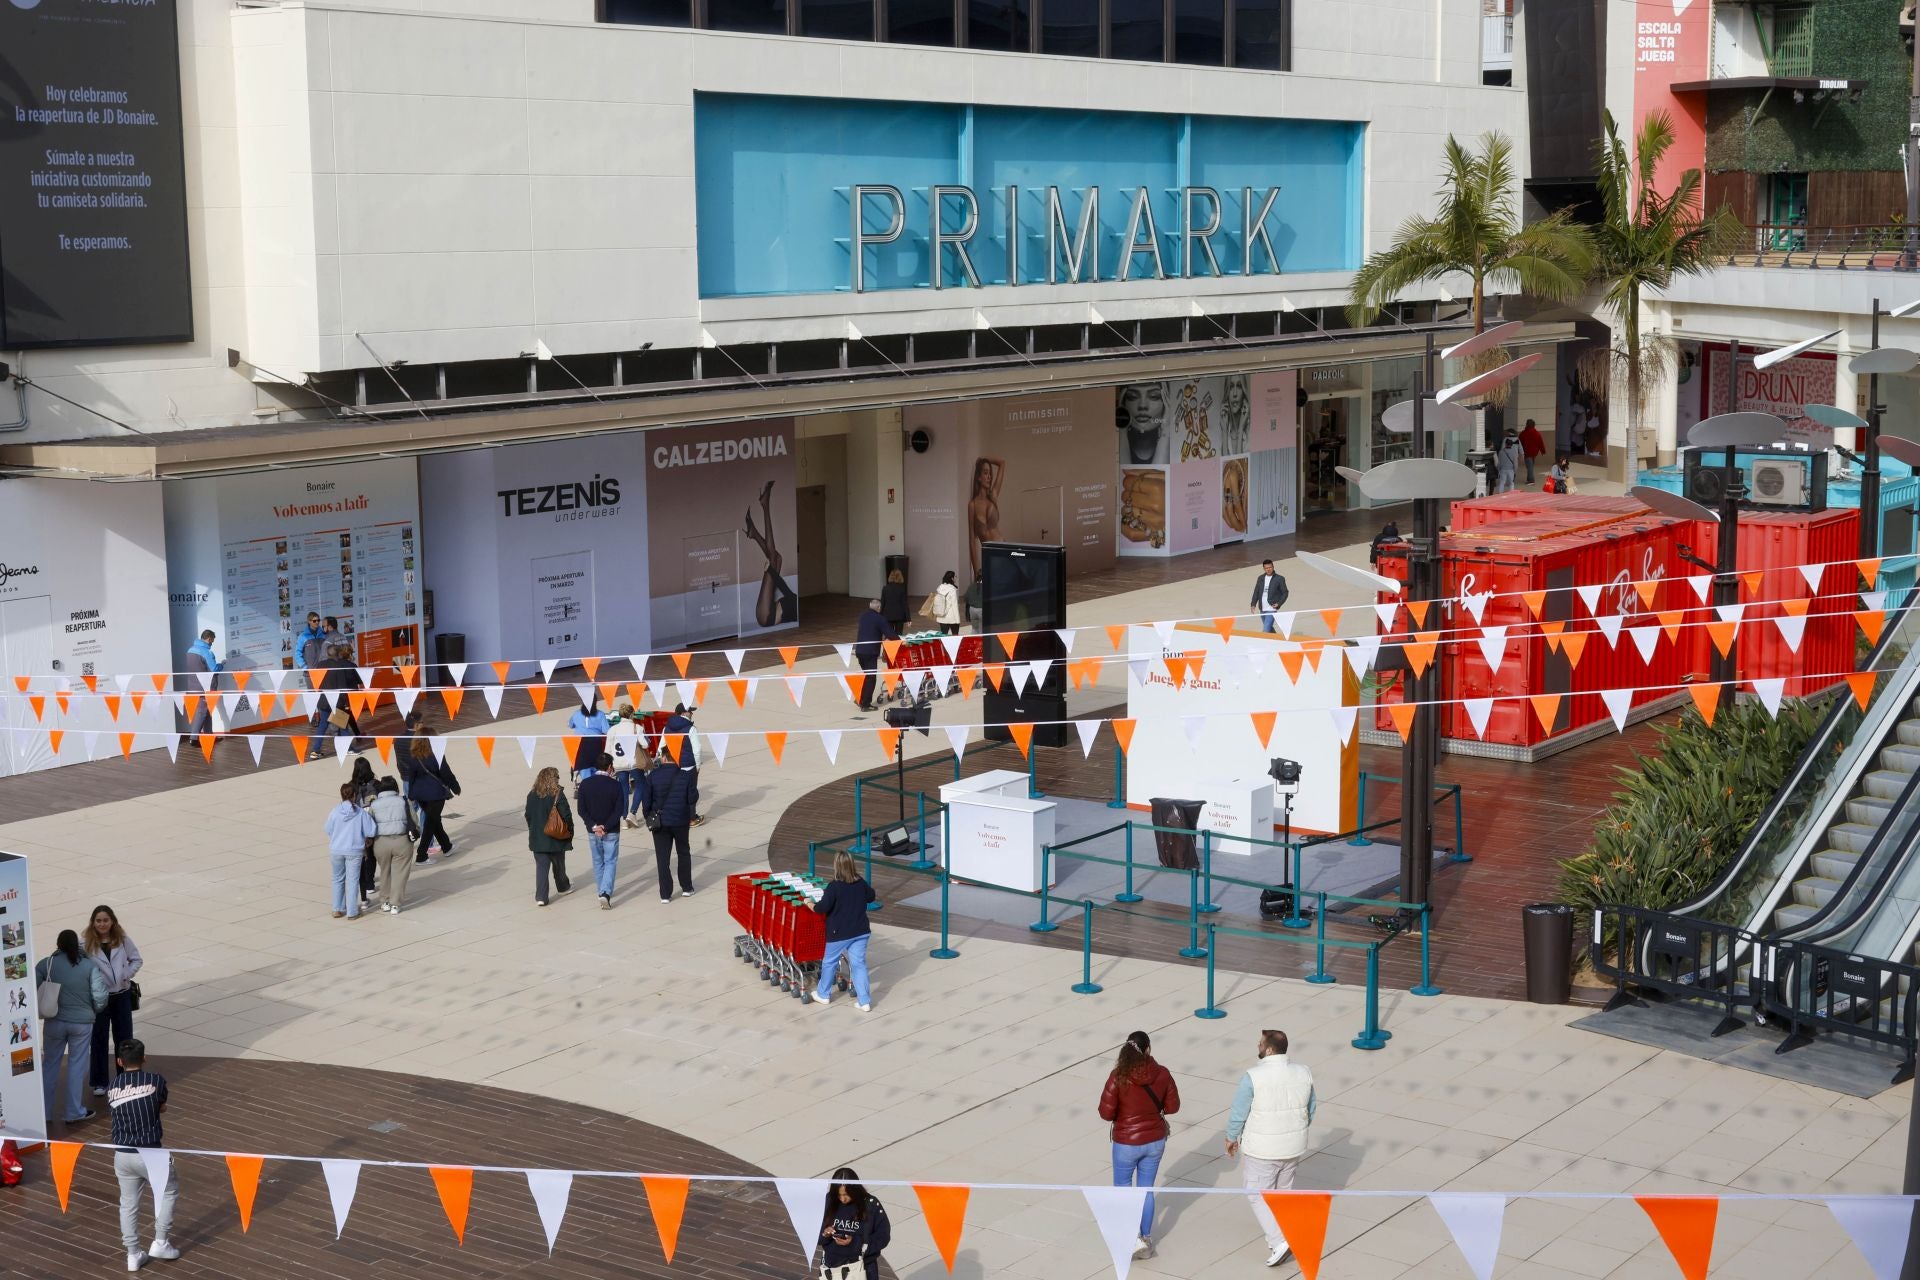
<point x="1477" y="232"/>
<point x="1643" y="242"/>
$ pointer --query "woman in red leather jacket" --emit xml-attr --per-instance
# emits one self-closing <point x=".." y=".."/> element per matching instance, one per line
<point x="1139" y="1096"/>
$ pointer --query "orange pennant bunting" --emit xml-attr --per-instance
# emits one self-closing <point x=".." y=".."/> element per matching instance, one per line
<point x="777" y="744"/>
<point x="454" y="697"/>
<point x="20" y="683"/>
<point x="159" y="679"/>
<point x="680" y="661"/>
<point x="1645" y="591"/>
<point x="945" y="1209"/>
<point x="889" y="739"/>
<point x="299" y="744"/>
<point x="1225" y="627"/>
<point x="1870" y="570"/>
<point x="126" y="745"/>
<point x="675" y="744"/>
<point x="592" y="667"/>
<point x="1546" y="707"/>
<point x="93" y="682"/>
<point x="1871" y="621"/>
<point x="54" y="737"/>
<point x="500" y="671"/>
<point x="1332" y="618"/>
<point x="969" y="676"/>
<point x="889" y="681"/>
<point x="1536" y="600"/>
<point x="1861" y="682"/>
<point x="853" y="684"/>
<point x="1686" y="1223"/>
<point x="385" y="747"/>
<point x="263" y="704"/>
<point x="1419" y="651"/>
<point x="63" y="1156"/>
<point x="455" y="1185"/>
<point x="62" y="698"/>
<point x="1263" y="726"/>
<point x="1022" y="738"/>
<point x="739" y="690"/>
<point x="1176" y="669"/>
<point x="316" y="676"/>
<point x="1302" y="1218"/>
<point x="1552" y="631"/>
<point x="996" y="673"/>
<point x="1417" y="610"/>
<point x="1008" y="640"/>
<point x="890" y="649"/>
<point x="667" y="1201"/>
<point x="408" y="675"/>
<point x="1722" y="633"/>
<point x="1196" y="659"/>
<point x="788" y="653"/>
<point x="636" y="690"/>
<point x="1706" y="699"/>
<point x="244" y="1171"/>
<point x="1117" y="636"/>
<point x="1670" y="622"/>
<point x="609" y="692"/>
<point x="1574" y="645"/>
<point x="1291" y="660"/>
<point x="191" y="706"/>
<point x="699" y="692"/>
<point x="139" y="700"/>
<point x="1123" y="733"/>
<point x="1796" y="608"/>
<point x="1753" y="582"/>
<point x="1402" y="714"/>
<point x="538" y="692"/>
<point x="486" y="750"/>
<point x="570" y="743"/>
<point x="39" y="704"/>
<point x="206" y="746"/>
<point x="1075" y="670"/>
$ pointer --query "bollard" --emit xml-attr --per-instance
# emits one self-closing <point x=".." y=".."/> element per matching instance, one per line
<point x="1119" y="800"/>
<point x="1033" y="781"/>
<point x="1207" y="904"/>
<point x="1320" y="973"/>
<point x="1371" y="1036"/>
<point x="922" y="862"/>
<point x="1044" y="925"/>
<point x="1193" y="950"/>
<point x="860" y="841"/>
<point x="1129" y="895"/>
<point x="1212" y="1010"/>
<point x="812" y="851"/>
<point x="1086" y="986"/>
<point x="1425" y="987"/>
<point x="1294" y="919"/>
<point x="944" y="951"/>
<point x="958" y="757"/>
<point x="1460" y="853"/>
<point x="1359" y="837"/>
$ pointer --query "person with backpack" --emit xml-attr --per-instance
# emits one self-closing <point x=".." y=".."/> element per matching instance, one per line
<point x="853" y="1230"/>
<point x="549" y="835"/>
<point x="1139" y="1096"/>
<point x="73" y="992"/>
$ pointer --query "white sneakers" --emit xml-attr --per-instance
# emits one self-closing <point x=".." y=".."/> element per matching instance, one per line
<point x="1144" y="1250"/>
<point x="136" y="1260"/>
<point x="1279" y="1256"/>
<point x="164" y="1250"/>
<point x="864" y="1008"/>
<point x="815" y="997"/>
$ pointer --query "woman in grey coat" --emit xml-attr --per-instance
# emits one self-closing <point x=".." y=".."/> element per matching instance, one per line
<point x="83" y="994"/>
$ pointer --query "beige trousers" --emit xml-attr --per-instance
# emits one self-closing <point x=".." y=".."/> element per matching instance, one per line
<point x="394" y="857"/>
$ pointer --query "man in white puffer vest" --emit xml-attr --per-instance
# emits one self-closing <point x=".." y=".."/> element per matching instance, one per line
<point x="1267" y="1127"/>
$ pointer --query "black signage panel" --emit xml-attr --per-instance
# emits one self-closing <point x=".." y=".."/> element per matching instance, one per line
<point x="93" y="213"/>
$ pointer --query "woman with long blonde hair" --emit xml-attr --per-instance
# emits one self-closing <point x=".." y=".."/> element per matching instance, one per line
<point x="545" y="803"/>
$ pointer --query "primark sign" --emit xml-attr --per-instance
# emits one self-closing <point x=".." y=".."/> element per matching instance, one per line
<point x="1211" y="234"/>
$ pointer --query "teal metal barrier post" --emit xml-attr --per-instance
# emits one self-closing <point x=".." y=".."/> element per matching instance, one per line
<point x="1129" y="895"/>
<point x="1119" y="800"/>
<point x="1361" y="822"/>
<point x="1371" y="1036"/>
<point x="860" y="827"/>
<point x="1033" y="781"/>
<point x="1211" y="1010"/>
<point x="1207" y="904"/>
<point x="1044" y="925"/>
<point x="813" y="851"/>
<point x="1193" y="950"/>
<point x="1086" y="986"/>
<point x="1320" y="974"/>
<point x="944" y="951"/>
<point x="958" y="758"/>
<point x="922" y="862"/>
<point x="1460" y="853"/>
<point x="1294" y="919"/>
<point x="1426" y="987"/>
<point x="866" y="840"/>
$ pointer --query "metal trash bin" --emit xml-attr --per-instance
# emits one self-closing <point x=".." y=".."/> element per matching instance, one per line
<point x="1176" y="850"/>
<point x="1547" y="931"/>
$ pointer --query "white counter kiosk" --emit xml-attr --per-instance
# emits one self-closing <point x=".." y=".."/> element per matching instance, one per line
<point x="1236" y="807"/>
<point x="995" y="832"/>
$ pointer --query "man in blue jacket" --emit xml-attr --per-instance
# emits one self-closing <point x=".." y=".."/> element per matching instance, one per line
<point x="199" y="661"/>
<point x="867" y="638"/>
<point x="600" y="802"/>
<point x="671" y="796"/>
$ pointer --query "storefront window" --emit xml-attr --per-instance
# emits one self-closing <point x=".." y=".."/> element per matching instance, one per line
<point x="1257" y="34"/>
<point x="1392" y="382"/>
<point x="997" y="24"/>
<point x="1139" y="30"/>
<point x="649" y="13"/>
<point x="837" y="19"/>
<point x="1070" y="27"/>
<point x="1199" y="32"/>
<point x="920" y="21"/>
<point x="767" y="17"/>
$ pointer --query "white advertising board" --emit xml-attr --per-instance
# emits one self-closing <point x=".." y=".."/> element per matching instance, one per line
<point x="83" y="593"/>
<point x="22" y="1109"/>
<point x="1238" y="676"/>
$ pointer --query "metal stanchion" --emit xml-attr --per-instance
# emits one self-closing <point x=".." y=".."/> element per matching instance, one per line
<point x="1044" y="925"/>
<point x="1033" y="782"/>
<point x="1212" y="1010"/>
<point x="1320" y="973"/>
<point x="1426" y="987"/>
<point x="945" y="950"/>
<point x="1460" y="853"/>
<point x="813" y="850"/>
<point x="1371" y="1036"/>
<point x="875" y="904"/>
<point x="1129" y="895"/>
<point x="1294" y="919"/>
<point x="1193" y="950"/>
<point x="923" y="862"/>
<point x="1119" y="800"/>
<point x="860" y="840"/>
<point x="1361" y="822"/>
<point x="1086" y="986"/>
<point x="1207" y="905"/>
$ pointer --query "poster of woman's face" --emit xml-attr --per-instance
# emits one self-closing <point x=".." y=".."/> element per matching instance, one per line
<point x="1234" y="417"/>
<point x="1140" y="412"/>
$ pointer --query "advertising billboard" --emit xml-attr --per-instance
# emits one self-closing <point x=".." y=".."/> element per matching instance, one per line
<point x="23" y="1115"/>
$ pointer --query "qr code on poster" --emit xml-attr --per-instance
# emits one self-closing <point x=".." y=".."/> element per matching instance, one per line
<point x="86" y="669"/>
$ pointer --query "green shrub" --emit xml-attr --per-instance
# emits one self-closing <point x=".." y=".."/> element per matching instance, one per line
<point x="1682" y="813"/>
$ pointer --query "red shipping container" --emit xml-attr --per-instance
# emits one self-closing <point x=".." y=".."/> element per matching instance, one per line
<point x="1571" y="509"/>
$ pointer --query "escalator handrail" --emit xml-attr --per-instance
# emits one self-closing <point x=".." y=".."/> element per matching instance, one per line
<point x="1823" y="925"/>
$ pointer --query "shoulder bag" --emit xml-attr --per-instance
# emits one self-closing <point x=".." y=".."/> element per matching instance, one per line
<point x="930" y="607"/>
<point x="49" y="992"/>
<point x="556" y="827"/>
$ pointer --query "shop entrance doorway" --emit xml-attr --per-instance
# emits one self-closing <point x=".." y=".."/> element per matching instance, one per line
<point x="1033" y="516"/>
<point x="810" y="538"/>
<point x="710" y="587"/>
<point x="1328" y="430"/>
<point x="26" y="648"/>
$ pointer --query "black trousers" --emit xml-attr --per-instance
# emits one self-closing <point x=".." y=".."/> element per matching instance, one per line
<point x="949" y="628"/>
<point x="117" y="1016"/>
<point x="665" y="841"/>
<point x="431" y="828"/>
<point x="868" y="661"/>
<point x="544" y="863"/>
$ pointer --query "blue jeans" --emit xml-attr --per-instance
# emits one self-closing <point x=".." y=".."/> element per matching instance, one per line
<point x="346" y="882"/>
<point x="630" y="788"/>
<point x="1138" y="1167"/>
<point x="855" y="950"/>
<point x="71" y="1038"/>
<point x="1266" y="621"/>
<point x="606" y="856"/>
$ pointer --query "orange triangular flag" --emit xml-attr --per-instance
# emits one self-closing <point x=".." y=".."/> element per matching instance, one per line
<point x="21" y="682"/>
<point x="299" y="744"/>
<point x="63" y="1156"/>
<point x="486" y="750"/>
<point x="609" y="692"/>
<point x="1225" y="627"/>
<point x="500" y="671"/>
<point x="1870" y="570"/>
<point x="455" y="1185"/>
<point x="1196" y="659"/>
<point x="1722" y="633"/>
<point x="889" y="681"/>
<point x="1536" y="600"/>
<point x="1861" y="682"/>
<point x="1686" y="1224"/>
<point x="945" y="1209"/>
<point x="996" y="672"/>
<point x="1312" y="648"/>
<point x="407" y="675"/>
<point x="1546" y="706"/>
<point x="1552" y="631"/>
<point x="739" y="691"/>
<point x="1332" y="618"/>
<point x="538" y="692"/>
<point x="570" y="743"/>
<point x="139" y="700"/>
<point x="1574" y="645"/>
<point x="1871" y="622"/>
<point x="777" y="744"/>
<point x="787" y="654"/>
<point x="1670" y="622"/>
<point x="1263" y="725"/>
<point x="126" y="745"/>
<point x="454" y="697"/>
<point x="889" y="739"/>
<point x="1419" y="651"/>
<point x="159" y="679"/>
<point x="1117" y="635"/>
<point x="667" y="1199"/>
<point x="1075" y="670"/>
<point x="245" y="1173"/>
<point x="1796" y="608"/>
<point x="1706" y="698"/>
<point x="1176" y="668"/>
<point x="591" y="666"/>
<point x="1645" y="591"/>
<point x="38" y="701"/>
<point x="385" y="747"/>
<point x="1008" y="640"/>
<point x="675" y="744"/>
<point x="316" y="677"/>
<point x="1123" y="733"/>
<point x="1753" y="582"/>
<point x="699" y="692"/>
<point x="61" y="698"/>
<point x="1402" y="714"/>
<point x="636" y="690"/>
<point x="206" y="745"/>
<point x="93" y="682"/>
<point x="853" y="684"/>
<point x="1417" y="610"/>
<point x="680" y="661"/>
<point x="54" y="737"/>
<point x="263" y="703"/>
<point x="1292" y="660"/>
<point x="890" y="649"/>
<point x="969" y="676"/>
<point x="192" y="706"/>
<point x="1022" y="738"/>
<point x="1302" y="1217"/>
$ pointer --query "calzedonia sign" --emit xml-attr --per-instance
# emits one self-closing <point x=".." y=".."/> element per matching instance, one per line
<point x="1201" y="244"/>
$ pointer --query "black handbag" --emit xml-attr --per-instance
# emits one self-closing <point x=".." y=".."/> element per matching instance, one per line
<point x="133" y="997"/>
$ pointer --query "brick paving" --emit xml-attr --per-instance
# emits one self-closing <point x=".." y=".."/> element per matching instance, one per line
<point x="397" y="1226"/>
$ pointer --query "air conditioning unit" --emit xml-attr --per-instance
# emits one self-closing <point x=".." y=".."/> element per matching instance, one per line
<point x="1777" y="484"/>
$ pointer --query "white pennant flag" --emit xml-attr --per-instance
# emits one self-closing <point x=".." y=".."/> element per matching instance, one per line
<point x="546" y="668"/>
<point x="1618" y="703"/>
<point x="1873" y="600"/>
<point x="1138" y="668"/>
<point x="403" y="700"/>
<point x="846" y="654"/>
<point x="550" y="1188"/>
<point x="638" y="661"/>
<point x="830" y="743"/>
<point x="1257" y="657"/>
<point x="1344" y="719"/>
<point x="1387" y="613"/>
<point x="660" y="688"/>
<point x="805" y="1200"/>
<point x="125" y="681"/>
<point x="1701" y="584"/>
<point x="1165" y="630"/>
<point x="1769" y="693"/>
<point x="1361" y="652"/>
<point x="439" y="744"/>
<point x="753" y="687"/>
<point x="278" y="676"/>
<point x="159" y="1162"/>
<point x="310" y="701"/>
<point x="1087" y="729"/>
<point x="733" y="659"/>
<point x="1879" y="1226"/>
<point x="1590" y="597"/>
<point x="526" y="748"/>
<point x="457" y="672"/>
<point x="1644" y="639"/>
<point x="173" y="747"/>
<point x="1791" y="629"/>
<point x="950" y="643"/>
<point x="957" y="738"/>
<point x="1229" y="661"/>
<point x="1493" y="646"/>
<point x="90" y="737"/>
<point x="1609" y="625"/>
<point x="1478" y="709"/>
<point x="1116" y="1211"/>
<point x="1066" y="635"/>
<point x="180" y="703"/>
<point x="1283" y="623"/>
<point x="683" y="692"/>
<point x="1195" y="726"/>
<point x="1730" y="612"/>
<point x="206" y="680"/>
<point x="1813" y="573"/>
<point x="797" y="686"/>
<point x="942" y="679"/>
<point x="493" y="693"/>
<point x="230" y="703"/>
<point x="255" y="743"/>
<point x="584" y="692"/>
<point x="1475" y="1223"/>
<point x="342" y="744"/>
<point x="343" y="1179"/>
<point x="718" y="741"/>
<point x="1476" y="605"/>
